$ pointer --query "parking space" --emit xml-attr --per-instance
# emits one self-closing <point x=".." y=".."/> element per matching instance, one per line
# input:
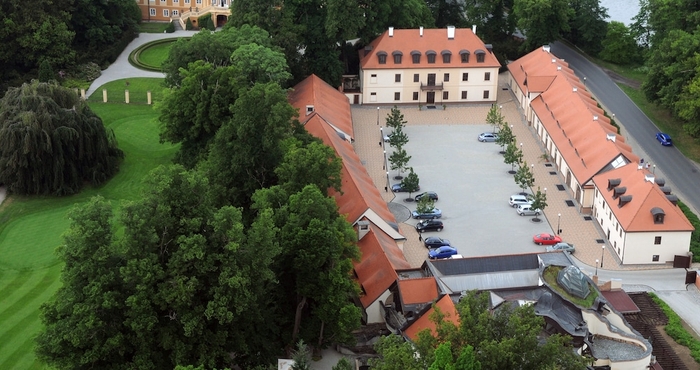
<point x="474" y="186"/>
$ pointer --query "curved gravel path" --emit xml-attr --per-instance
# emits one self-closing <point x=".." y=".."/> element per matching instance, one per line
<point x="121" y="68"/>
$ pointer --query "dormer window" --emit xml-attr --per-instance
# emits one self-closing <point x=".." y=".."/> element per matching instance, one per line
<point x="415" y="56"/>
<point x="397" y="57"/>
<point x="658" y="215"/>
<point x="431" y="56"/>
<point x="382" y="57"/>
<point x="480" y="56"/>
<point x="446" y="56"/>
<point x="464" y="56"/>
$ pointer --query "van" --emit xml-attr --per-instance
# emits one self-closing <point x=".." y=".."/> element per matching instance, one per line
<point x="518" y="199"/>
<point x="527" y="210"/>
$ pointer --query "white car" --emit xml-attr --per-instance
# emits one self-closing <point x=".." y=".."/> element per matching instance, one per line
<point x="527" y="210"/>
<point x="487" y="137"/>
<point x="519" y="199"/>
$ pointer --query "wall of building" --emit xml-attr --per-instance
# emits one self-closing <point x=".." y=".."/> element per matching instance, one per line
<point x="641" y="248"/>
<point x="374" y="311"/>
<point x="165" y="10"/>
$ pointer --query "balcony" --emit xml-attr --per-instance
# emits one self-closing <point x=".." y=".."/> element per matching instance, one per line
<point x="430" y="86"/>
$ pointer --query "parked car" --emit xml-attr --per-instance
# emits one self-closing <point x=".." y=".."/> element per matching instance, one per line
<point x="546" y="239"/>
<point x="566" y="247"/>
<point x="429" y="225"/>
<point x="387" y="137"/>
<point x="519" y="199"/>
<point x="527" y="210"/>
<point x="443" y="252"/>
<point x="435" y="242"/>
<point x="664" y="139"/>
<point x="397" y="188"/>
<point x="435" y="213"/>
<point x="487" y="137"/>
<point x="430" y="194"/>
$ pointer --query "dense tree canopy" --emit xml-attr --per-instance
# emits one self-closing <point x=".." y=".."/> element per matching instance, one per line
<point x="52" y="143"/>
<point x="619" y="45"/>
<point x="587" y="25"/>
<point x="542" y="21"/>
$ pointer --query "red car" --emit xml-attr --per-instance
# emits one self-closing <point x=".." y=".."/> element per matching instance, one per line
<point x="547" y="239"/>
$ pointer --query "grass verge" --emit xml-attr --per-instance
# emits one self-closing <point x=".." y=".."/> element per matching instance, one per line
<point x="153" y="27"/>
<point x="675" y="329"/>
<point x="550" y="276"/>
<point x="138" y="88"/>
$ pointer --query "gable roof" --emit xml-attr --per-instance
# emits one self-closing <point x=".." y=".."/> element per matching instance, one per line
<point x="422" y="290"/>
<point x="448" y="309"/>
<point x="376" y="269"/>
<point x="434" y="40"/>
<point x="583" y="135"/>
<point x="331" y="104"/>
<point x="646" y="196"/>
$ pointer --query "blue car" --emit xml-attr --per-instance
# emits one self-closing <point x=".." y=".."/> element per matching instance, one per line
<point x="664" y="139"/>
<point x="443" y="252"/>
<point x="435" y="213"/>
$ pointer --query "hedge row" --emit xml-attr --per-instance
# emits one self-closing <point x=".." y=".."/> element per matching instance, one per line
<point x="136" y="61"/>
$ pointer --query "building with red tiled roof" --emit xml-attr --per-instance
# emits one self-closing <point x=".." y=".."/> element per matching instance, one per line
<point x="639" y="216"/>
<point x="325" y="113"/>
<point x="447" y="308"/>
<point x="428" y="66"/>
<point x="642" y="224"/>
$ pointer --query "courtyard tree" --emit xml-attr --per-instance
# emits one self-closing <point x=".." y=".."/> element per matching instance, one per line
<point x="505" y="136"/>
<point x="539" y="201"/>
<point x="52" y="143"/>
<point x="513" y="156"/>
<point x="395" y="118"/>
<point x="425" y="205"/>
<point x="524" y="177"/>
<point x="399" y="160"/>
<point x="398" y="138"/>
<point x="410" y="183"/>
<point x="495" y="118"/>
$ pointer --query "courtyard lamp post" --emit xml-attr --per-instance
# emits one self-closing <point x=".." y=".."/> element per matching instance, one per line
<point x="596" y="267"/>
<point x="558" y="223"/>
<point x="378" y="117"/>
<point x="602" y="257"/>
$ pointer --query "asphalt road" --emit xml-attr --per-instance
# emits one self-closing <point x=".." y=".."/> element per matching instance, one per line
<point x="682" y="174"/>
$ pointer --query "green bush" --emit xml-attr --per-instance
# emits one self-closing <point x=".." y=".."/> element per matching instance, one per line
<point x="46" y="72"/>
<point x="171" y="27"/>
<point x="695" y="236"/>
<point x="205" y="22"/>
<point x="188" y="25"/>
<point x="675" y="329"/>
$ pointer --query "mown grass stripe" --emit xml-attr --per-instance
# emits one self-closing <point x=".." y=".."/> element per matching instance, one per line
<point x="30" y="293"/>
<point x="14" y="288"/>
<point x="22" y="357"/>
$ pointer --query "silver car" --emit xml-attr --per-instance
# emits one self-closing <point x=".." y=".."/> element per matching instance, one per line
<point x="519" y="199"/>
<point x="527" y="210"/>
<point x="566" y="247"/>
<point x="487" y="137"/>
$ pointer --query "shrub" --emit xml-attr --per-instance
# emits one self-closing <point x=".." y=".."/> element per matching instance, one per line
<point x="171" y="27"/>
<point x="675" y="329"/>
<point x="188" y="25"/>
<point x="46" y="72"/>
<point x="87" y="72"/>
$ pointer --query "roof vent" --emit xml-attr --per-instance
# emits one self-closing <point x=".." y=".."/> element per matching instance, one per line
<point x="362" y="229"/>
<point x="640" y="166"/>
<point x="391" y="31"/>
<point x="611" y="137"/>
<point x="618" y="191"/>
<point x="649" y="178"/>
<point x="309" y="109"/>
<point x="624" y="200"/>
<point x="673" y="198"/>
<point x="421" y="31"/>
<point x="450" y="32"/>
<point x="544" y="47"/>
<point x="558" y="68"/>
<point x="613" y="183"/>
<point x="574" y="89"/>
<point x="660" y="181"/>
<point x="665" y="189"/>
<point x="595" y="117"/>
<point x="554" y="60"/>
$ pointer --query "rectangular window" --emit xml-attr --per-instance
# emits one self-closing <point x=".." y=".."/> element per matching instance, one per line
<point x="397" y="77"/>
<point x="175" y="13"/>
<point x="199" y="2"/>
<point x="486" y="94"/>
<point x="187" y="1"/>
<point x="657" y="240"/>
<point x="431" y="58"/>
<point x="446" y="78"/>
<point x="416" y="77"/>
<point x="480" y="57"/>
<point x="487" y="76"/>
<point x="397" y="96"/>
<point x="655" y="258"/>
<point x="416" y="58"/>
<point x="382" y="57"/>
<point x="465" y="57"/>
<point x="373" y="79"/>
<point x="465" y="76"/>
<point x="373" y="96"/>
<point x="166" y="13"/>
<point x="175" y="2"/>
<point x="445" y="95"/>
<point x="415" y="95"/>
<point x="163" y="2"/>
<point x="446" y="58"/>
<point x="464" y="95"/>
<point x="397" y="59"/>
<point x="153" y="12"/>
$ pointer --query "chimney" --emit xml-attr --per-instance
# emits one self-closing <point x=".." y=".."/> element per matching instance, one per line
<point x="612" y="183"/>
<point x="595" y="117"/>
<point x="611" y="137"/>
<point x="450" y="32"/>
<point x="624" y="200"/>
<point x="554" y="60"/>
<point x="649" y="178"/>
<point x="558" y="68"/>
<point x="421" y="31"/>
<point x="391" y="31"/>
<point x="362" y="229"/>
<point x="575" y="89"/>
<point x="309" y="109"/>
<point x="474" y="29"/>
<point x="545" y="48"/>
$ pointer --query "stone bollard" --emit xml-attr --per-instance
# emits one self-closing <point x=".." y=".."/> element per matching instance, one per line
<point x="104" y="95"/>
<point x="126" y="96"/>
<point x="148" y="96"/>
<point x="82" y="93"/>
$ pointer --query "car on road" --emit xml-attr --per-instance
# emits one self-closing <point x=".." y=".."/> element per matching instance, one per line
<point x="566" y="247"/>
<point x="430" y="194"/>
<point x="518" y="199"/>
<point x="443" y="252"/>
<point x="429" y="225"/>
<point x="397" y="188"/>
<point x="527" y="210"/>
<point x="664" y="139"/>
<point x="435" y="242"/>
<point x="546" y="239"/>
<point x="485" y="137"/>
<point x="435" y="213"/>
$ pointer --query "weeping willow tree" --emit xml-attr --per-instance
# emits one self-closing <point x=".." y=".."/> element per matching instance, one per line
<point x="52" y="143"/>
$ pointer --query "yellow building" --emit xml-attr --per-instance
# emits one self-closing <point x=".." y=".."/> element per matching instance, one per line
<point x="181" y="10"/>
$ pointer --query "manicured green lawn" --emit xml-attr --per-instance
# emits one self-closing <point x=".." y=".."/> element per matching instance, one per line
<point x="31" y="227"/>
<point x="152" y="27"/>
<point x="137" y="91"/>
<point x="156" y="54"/>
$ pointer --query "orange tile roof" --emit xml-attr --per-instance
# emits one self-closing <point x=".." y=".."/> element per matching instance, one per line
<point x="421" y="290"/>
<point x="570" y="115"/>
<point x="447" y="307"/>
<point x="636" y="215"/>
<point x="331" y="104"/>
<point x="376" y="269"/>
<point x="406" y="41"/>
